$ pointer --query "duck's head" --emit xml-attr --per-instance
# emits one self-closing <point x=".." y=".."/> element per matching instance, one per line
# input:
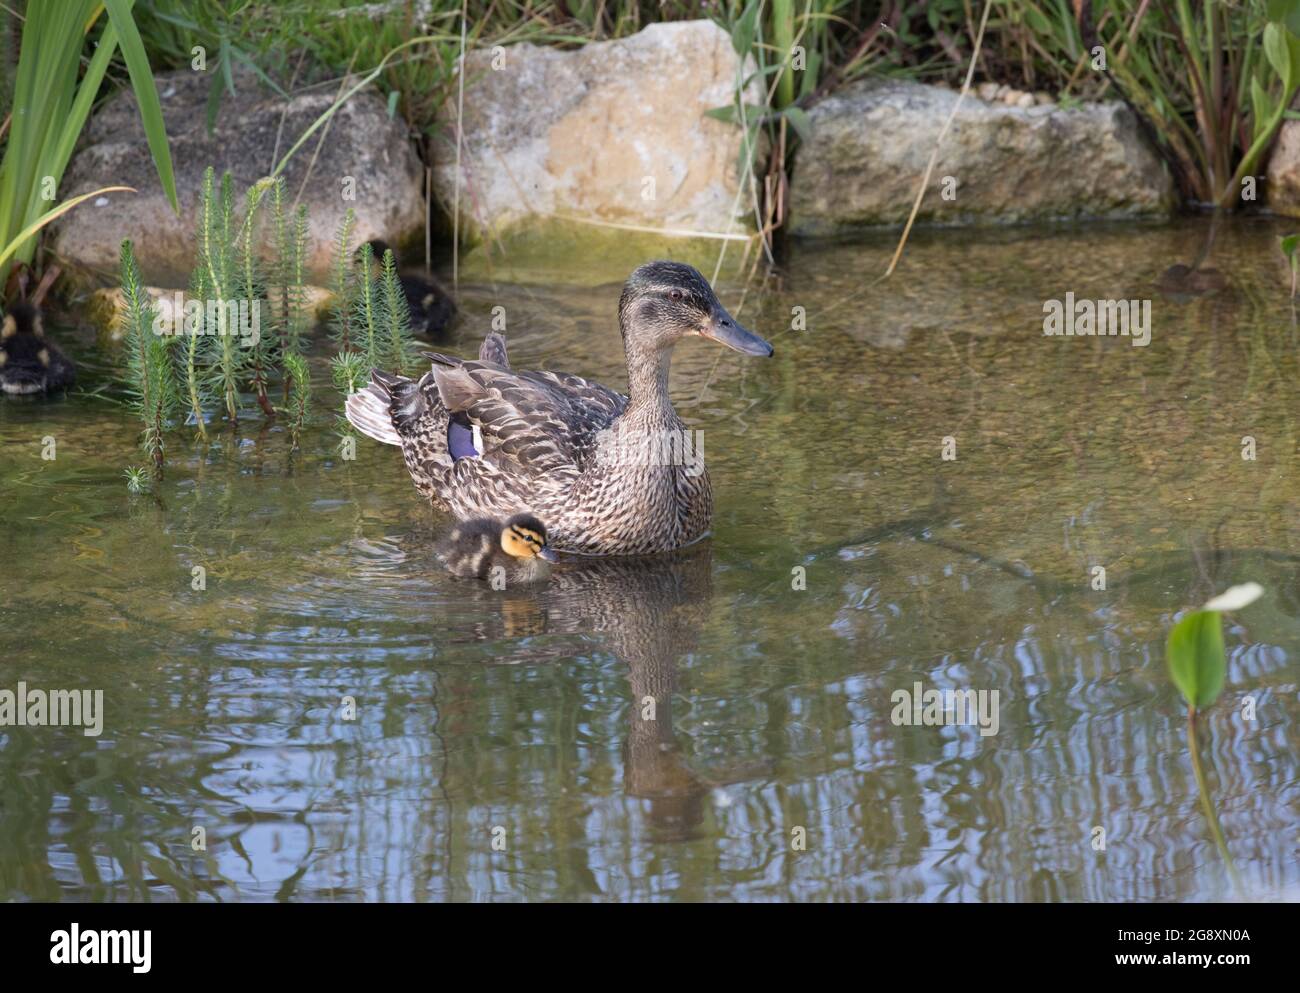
<point x="524" y="537"/>
<point x="24" y="353"/>
<point x="663" y="302"/>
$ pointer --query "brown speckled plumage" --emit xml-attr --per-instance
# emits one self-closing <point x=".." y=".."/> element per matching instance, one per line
<point x="545" y="435"/>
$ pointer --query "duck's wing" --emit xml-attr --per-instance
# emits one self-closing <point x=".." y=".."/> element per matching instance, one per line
<point x="543" y="422"/>
<point x="600" y="402"/>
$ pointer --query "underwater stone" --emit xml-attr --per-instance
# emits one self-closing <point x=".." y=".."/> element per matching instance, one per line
<point x="871" y="141"/>
<point x="613" y="132"/>
<point x="361" y="141"/>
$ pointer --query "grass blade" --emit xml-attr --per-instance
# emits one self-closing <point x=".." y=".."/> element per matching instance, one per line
<point x="146" y="93"/>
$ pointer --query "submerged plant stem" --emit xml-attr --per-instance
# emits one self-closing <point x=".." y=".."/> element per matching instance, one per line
<point x="1207" y="805"/>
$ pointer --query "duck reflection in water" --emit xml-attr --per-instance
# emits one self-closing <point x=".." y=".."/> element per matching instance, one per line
<point x="648" y="611"/>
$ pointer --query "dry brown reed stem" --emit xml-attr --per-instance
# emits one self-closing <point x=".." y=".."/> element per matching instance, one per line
<point x="934" y="156"/>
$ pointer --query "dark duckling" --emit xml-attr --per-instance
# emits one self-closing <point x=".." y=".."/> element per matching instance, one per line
<point x="504" y="553"/>
<point x="430" y="305"/>
<point x="30" y="362"/>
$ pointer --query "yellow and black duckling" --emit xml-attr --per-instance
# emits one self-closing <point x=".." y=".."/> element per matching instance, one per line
<point x="510" y="553"/>
<point x="30" y="362"/>
<point x="431" y="306"/>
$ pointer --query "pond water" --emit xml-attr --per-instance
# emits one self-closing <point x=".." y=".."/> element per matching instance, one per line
<point x="516" y="716"/>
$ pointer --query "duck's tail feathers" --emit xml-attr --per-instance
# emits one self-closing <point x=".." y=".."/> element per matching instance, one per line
<point x="410" y="403"/>
<point x="368" y="411"/>
<point x="493" y="350"/>
<point x="381" y="409"/>
<point x="437" y="358"/>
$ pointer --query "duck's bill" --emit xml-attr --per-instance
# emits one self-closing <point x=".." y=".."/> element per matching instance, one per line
<point x="726" y="330"/>
<point x="546" y="555"/>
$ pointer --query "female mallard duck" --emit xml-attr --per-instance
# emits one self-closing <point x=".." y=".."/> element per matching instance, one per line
<point x="430" y="305"/>
<point x="480" y="439"/>
<point x="477" y="549"/>
<point x="30" y="362"/>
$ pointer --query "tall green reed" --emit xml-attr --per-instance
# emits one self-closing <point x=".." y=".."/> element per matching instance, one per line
<point x="52" y="98"/>
<point x="1210" y="83"/>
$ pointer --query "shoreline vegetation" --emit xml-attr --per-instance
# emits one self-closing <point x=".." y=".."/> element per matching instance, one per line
<point x="1209" y="86"/>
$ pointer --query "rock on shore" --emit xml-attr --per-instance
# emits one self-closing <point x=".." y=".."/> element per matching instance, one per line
<point x="871" y="141"/>
<point x="255" y="127"/>
<point x="612" y="132"/>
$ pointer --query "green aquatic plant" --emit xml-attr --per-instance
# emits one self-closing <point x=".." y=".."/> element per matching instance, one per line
<point x="286" y="292"/>
<point x="151" y="385"/>
<point x="783" y="34"/>
<point x="379" y="326"/>
<point x="365" y="307"/>
<point x="1194" y="651"/>
<point x="349" y="373"/>
<point x="213" y="283"/>
<point x="342" y="283"/>
<point x="398" y="345"/>
<point x="243" y="315"/>
<point x="1198" y="667"/>
<point x="298" y="379"/>
<point x="1196" y="660"/>
<point x="194" y="382"/>
<point x="230" y="287"/>
<point x="195" y="379"/>
<point x="372" y="321"/>
<point x="773" y="126"/>
<point x="256" y="349"/>
<point x="137" y="479"/>
<point x="349" y="365"/>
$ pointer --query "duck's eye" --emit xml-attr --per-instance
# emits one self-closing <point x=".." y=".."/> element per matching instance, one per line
<point x="675" y="295"/>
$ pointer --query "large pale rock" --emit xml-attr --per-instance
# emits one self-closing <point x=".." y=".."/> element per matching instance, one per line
<point x="255" y="128"/>
<point x="872" y="140"/>
<point x="1283" y="176"/>
<point x="613" y="132"/>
